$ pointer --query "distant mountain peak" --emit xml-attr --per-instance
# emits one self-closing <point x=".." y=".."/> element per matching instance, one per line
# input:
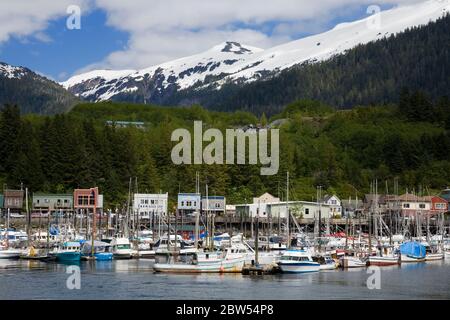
<point x="235" y="47"/>
<point x="12" y="72"/>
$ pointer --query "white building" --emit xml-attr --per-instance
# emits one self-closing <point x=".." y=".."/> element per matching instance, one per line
<point x="148" y="205"/>
<point x="335" y="205"/>
<point x="189" y="202"/>
<point x="273" y="210"/>
<point x="214" y="204"/>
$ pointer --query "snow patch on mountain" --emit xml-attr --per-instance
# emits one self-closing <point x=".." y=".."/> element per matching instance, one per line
<point x="12" y="72"/>
<point x="235" y="62"/>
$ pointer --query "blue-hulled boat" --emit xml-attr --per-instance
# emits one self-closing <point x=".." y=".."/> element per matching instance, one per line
<point x="102" y="250"/>
<point x="70" y="251"/>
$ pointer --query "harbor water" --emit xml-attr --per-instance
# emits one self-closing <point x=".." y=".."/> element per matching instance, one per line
<point x="135" y="279"/>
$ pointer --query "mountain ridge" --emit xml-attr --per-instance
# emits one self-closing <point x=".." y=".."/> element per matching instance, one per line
<point x="217" y="67"/>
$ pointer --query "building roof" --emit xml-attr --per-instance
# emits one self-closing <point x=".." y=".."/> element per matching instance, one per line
<point x="328" y="197"/>
<point x="214" y="198"/>
<point x="52" y="195"/>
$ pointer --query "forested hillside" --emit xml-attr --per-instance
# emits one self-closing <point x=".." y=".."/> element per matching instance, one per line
<point x="342" y="151"/>
<point x="32" y="92"/>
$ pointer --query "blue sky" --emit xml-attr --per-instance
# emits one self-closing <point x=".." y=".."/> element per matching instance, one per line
<point x="110" y="37"/>
<point x="67" y="50"/>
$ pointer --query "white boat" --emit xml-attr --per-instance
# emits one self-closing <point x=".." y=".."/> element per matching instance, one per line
<point x="121" y="248"/>
<point x="222" y="240"/>
<point x="10" y="253"/>
<point x="447" y="254"/>
<point x="326" y="262"/>
<point x="386" y="260"/>
<point x="434" y="256"/>
<point x="202" y="263"/>
<point x="352" y="262"/>
<point x="272" y="243"/>
<point x="297" y="261"/>
<point x="407" y="259"/>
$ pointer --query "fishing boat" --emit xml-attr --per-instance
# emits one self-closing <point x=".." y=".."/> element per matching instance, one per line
<point x="412" y="252"/>
<point x="121" y="248"/>
<point x="297" y="261"/>
<point x="352" y="262"/>
<point x="221" y="240"/>
<point x="102" y="250"/>
<point x="326" y="262"/>
<point x="9" y="253"/>
<point x="201" y="263"/>
<point x="387" y="260"/>
<point x="69" y="251"/>
<point x="36" y="254"/>
<point x="434" y="256"/>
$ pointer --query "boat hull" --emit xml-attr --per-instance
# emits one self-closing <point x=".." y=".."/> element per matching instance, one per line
<point x="434" y="257"/>
<point x="351" y="262"/>
<point x="328" y="266"/>
<point x="383" y="261"/>
<point x="103" y="256"/>
<point x="68" y="256"/>
<point x="411" y="259"/>
<point x="227" y="266"/>
<point x="299" y="267"/>
<point x="10" y="254"/>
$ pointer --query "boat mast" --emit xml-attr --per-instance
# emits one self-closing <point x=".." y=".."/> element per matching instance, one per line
<point x="28" y="217"/>
<point x="287" y="211"/>
<point x="370" y="223"/>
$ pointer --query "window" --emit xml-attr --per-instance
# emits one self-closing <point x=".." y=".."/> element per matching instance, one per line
<point x="440" y="206"/>
<point x="182" y="203"/>
<point x="422" y="206"/>
<point x="306" y="211"/>
<point x="406" y="205"/>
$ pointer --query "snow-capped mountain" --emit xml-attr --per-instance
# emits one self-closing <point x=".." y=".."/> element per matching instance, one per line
<point x="32" y="92"/>
<point x="237" y="63"/>
<point x="12" y="72"/>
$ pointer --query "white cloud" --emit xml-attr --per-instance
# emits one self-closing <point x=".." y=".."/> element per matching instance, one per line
<point x="23" y="18"/>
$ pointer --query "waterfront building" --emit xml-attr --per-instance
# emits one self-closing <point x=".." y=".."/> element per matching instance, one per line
<point x="278" y="209"/>
<point x="188" y="203"/>
<point x="85" y="200"/>
<point x="214" y="204"/>
<point x="335" y="205"/>
<point x="352" y="208"/>
<point x="147" y="206"/>
<point x="13" y="200"/>
<point x="44" y="203"/>
<point x="408" y="204"/>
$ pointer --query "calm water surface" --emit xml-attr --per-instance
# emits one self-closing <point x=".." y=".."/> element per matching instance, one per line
<point x="135" y="279"/>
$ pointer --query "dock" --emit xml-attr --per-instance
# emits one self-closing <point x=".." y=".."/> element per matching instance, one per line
<point x="259" y="270"/>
